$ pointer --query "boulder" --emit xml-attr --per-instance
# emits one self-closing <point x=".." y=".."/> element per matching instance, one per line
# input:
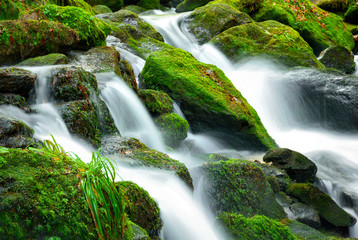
<point x="114" y="5"/>
<point x="321" y="202"/>
<point x="296" y="165"/>
<point x="128" y="76"/>
<point x="276" y="176"/>
<point x="173" y="127"/>
<point x="208" y="21"/>
<point x="339" y="58"/>
<point x="207" y="98"/>
<point x="50" y="59"/>
<point x="157" y="102"/>
<point x="190" y="5"/>
<point x="23" y="39"/>
<point x="13" y="99"/>
<point x="303" y="231"/>
<point x="17" y="81"/>
<point x="99" y="9"/>
<point x="134" y="8"/>
<point x="306" y="214"/>
<point x="249" y="7"/>
<point x="351" y="14"/>
<point x="240" y="187"/>
<point x="334" y="6"/>
<point x="268" y="40"/>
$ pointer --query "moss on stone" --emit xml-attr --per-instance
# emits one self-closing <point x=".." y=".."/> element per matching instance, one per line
<point x="268" y="40"/>
<point x="334" y="6"/>
<point x="114" y="5"/>
<point x="13" y="99"/>
<point x="190" y="5"/>
<point x="157" y="102"/>
<point x="149" y="4"/>
<point x="351" y="14"/>
<point x="50" y="59"/>
<point x="255" y="228"/>
<point x="247" y="6"/>
<point x="99" y="9"/>
<point x="207" y="97"/>
<point x="134" y="8"/>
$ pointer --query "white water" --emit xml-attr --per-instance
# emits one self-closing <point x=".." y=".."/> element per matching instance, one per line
<point x="261" y="84"/>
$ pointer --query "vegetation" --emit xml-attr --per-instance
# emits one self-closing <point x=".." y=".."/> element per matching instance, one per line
<point x="157" y="102"/>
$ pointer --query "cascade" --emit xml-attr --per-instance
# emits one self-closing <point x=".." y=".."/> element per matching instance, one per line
<point x="263" y="85"/>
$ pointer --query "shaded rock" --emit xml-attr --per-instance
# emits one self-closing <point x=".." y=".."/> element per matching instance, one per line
<point x="208" y="21"/>
<point x="13" y="99"/>
<point x="334" y="6"/>
<point x="303" y="231"/>
<point x="157" y="102"/>
<point x="50" y="59"/>
<point x="135" y="153"/>
<point x="207" y="98"/>
<point x="239" y="186"/>
<point x="306" y="214"/>
<point x="127" y="74"/>
<point x="141" y="208"/>
<point x="268" y="40"/>
<point x="351" y="14"/>
<point x="173" y="127"/>
<point x="114" y="5"/>
<point x="274" y="174"/>
<point x="296" y="165"/>
<point x="339" y="58"/>
<point x="190" y="5"/>
<point x="134" y="8"/>
<point x="99" y="9"/>
<point x="23" y="39"/>
<point x="322" y="202"/>
<point x="17" y="81"/>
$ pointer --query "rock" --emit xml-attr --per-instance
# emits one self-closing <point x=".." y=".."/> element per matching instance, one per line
<point x="157" y="102"/>
<point x="276" y="175"/>
<point x="175" y="3"/>
<point x="306" y="214"/>
<point x="141" y="208"/>
<point x="149" y="4"/>
<point x="23" y="39"/>
<point x="13" y="99"/>
<point x="339" y="58"/>
<point x="319" y="28"/>
<point x="190" y="5"/>
<point x="128" y="76"/>
<point x="255" y="228"/>
<point x="114" y="5"/>
<point x="17" y="81"/>
<point x="92" y="31"/>
<point x="50" y="59"/>
<point x="135" y="153"/>
<point x="99" y="9"/>
<point x="240" y="187"/>
<point x="296" y="165"/>
<point x="322" y="202"/>
<point x="207" y="98"/>
<point x="134" y="8"/>
<point x="268" y="40"/>
<point x="173" y="127"/>
<point x="208" y="21"/>
<point x="303" y="231"/>
<point x="351" y="14"/>
<point x="334" y="6"/>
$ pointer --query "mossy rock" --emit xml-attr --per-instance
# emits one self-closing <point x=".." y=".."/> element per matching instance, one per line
<point x="17" y="81"/>
<point x="100" y="9"/>
<point x="135" y="153"/>
<point x="40" y="198"/>
<point x="339" y="58"/>
<point x="276" y="176"/>
<point x="268" y="40"/>
<point x="335" y="6"/>
<point x="50" y="59"/>
<point x="305" y="232"/>
<point x="351" y="14"/>
<point x="156" y="102"/>
<point x="239" y="186"/>
<point x="149" y="4"/>
<point x="208" y="21"/>
<point x="92" y="31"/>
<point x="134" y="8"/>
<point x="173" y="127"/>
<point x="114" y="5"/>
<point x="190" y="5"/>
<point x="106" y="123"/>
<point x="249" y="7"/>
<point x="255" y="228"/>
<point x="72" y="83"/>
<point x="28" y="38"/>
<point x="13" y="99"/>
<point x="322" y="202"/>
<point x="319" y="28"/>
<point x="128" y="76"/>
<point x="207" y="98"/>
<point x="141" y="208"/>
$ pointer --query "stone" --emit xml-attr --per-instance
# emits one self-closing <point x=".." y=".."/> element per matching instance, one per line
<point x="157" y="102"/>
<point x="306" y="214"/>
<point x="339" y="58"/>
<point x="17" y="81"/>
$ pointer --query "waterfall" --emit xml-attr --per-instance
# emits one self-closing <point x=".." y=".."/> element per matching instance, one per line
<point x="263" y="85"/>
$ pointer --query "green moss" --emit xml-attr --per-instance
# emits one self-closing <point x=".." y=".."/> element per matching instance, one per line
<point x="333" y="5"/>
<point x="189" y="5"/>
<point x="157" y="102"/>
<point x="149" y="4"/>
<point x="247" y="6"/>
<point x="255" y="228"/>
<point x="207" y="97"/>
<point x="134" y="8"/>
<point x="351" y="14"/>
<point x="99" y="9"/>
<point x="13" y="99"/>
<point x="114" y="5"/>
<point x="51" y="59"/>
<point x="268" y="40"/>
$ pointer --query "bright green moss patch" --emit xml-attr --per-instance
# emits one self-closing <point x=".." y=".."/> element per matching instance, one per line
<point x="207" y="97"/>
<point x="50" y="59"/>
<point x="254" y="228"/>
<point x="190" y="5"/>
<point x="99" y="9"/>
<point x="157" y="102"/>
<point x="247" y="6"/>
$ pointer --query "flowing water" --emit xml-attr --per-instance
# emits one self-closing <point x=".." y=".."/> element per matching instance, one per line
<point x="264" y="86"/>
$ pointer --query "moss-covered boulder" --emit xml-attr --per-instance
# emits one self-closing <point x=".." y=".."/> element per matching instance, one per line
<point x="351" y="14"/>
<point x="40" y="198"/>
<point x="208" y="21"/>
<point x="207" y="97"/>
<point x="13" y="99"/>
<point x="334" y="6"/>
<point x="306" y="214"/>
<point x="318" y="27"/>
<point x="173" y="127"/>
<point x="17" y="81"/>
<point x="23" y="39"/>
<point x="50" y="59"/>
<point x="135" y="153"/>
<point x="295" y="164"/>
<point x="339" y="58"/>
<point x="127" y="74"/>
<point x="141" y="208"/>
<point x="255" y="228"/>
<point x="134" y="8"/>
<point x="157" y="102"/>
<point x="239" y="186"/>
<point x="92" y="31"/>
<point x="190" y="5"/>
<point x="114" y="5"/>
<point x="322" y="202"/>
<point x="99" y="9"/>
<point x="149" y="4"/>
<point x="268" y="40"/>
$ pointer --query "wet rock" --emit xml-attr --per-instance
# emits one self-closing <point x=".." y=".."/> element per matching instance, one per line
<point x="50" y="59"/>
<point x="339" y="58"/>
<point x="157" y="102"/>
<point x="13" y="99"/>
<point x="296" y="165"/>
<point x="334" y="6"/>
<point x="190" y="5"/>
<point x="306" y="214"/>
<point x="127" y="74"/>
<point x="351" y="14"/>
<point x="99" y="9"/>
<point x="17" y="81"/>
<point x="274" y="174"/>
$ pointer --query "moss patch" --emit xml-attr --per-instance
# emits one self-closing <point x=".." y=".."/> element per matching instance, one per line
<point x="157" y="102"/>
<point x="50" y="59"/>
<point x="190" y="5"/>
